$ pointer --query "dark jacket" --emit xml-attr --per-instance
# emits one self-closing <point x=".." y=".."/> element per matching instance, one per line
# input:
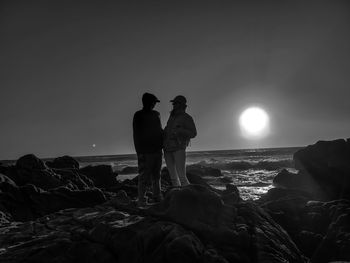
<point x="147" y="131"/>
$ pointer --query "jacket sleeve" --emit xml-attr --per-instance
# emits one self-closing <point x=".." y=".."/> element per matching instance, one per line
<point x="160" y="126"/>
<point x="136" y="130"/>
<point x="188" y="130"/>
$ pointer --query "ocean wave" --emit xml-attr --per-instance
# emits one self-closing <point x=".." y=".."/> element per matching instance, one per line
<point x="245" y="165"/>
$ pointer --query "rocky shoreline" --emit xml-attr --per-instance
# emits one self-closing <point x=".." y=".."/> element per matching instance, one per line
<point x="55" y="211"/>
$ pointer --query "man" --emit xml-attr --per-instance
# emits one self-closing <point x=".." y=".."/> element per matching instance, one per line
<point x="148" y="141"/>
<point x="179" y="130"/>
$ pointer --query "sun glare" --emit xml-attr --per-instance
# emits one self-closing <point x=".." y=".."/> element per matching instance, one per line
<point x="254" y="123"/>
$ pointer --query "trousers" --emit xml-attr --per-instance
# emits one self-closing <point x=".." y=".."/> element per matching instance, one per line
<point x="149" y="165"/>
<point x="176" y="164"/>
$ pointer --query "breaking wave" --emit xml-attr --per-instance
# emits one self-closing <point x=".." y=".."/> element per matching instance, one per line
<point x="245" y="165"/>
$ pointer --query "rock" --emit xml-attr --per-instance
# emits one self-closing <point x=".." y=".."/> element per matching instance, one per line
<point x="231" y="195"/>
<point x="63" y="162"/>
<point x="4" y="168"/>
<point x="193" y="224"/>
<point x="308" y="242"/>
<point x="129" y="170"/>
<point x="120" y="199"/>
<point x="203" y="211"/>
<point x="194" y="206"/>
<point x="30" y="202"/>
<point x="275" y="194"/>
<point x="5" y="179"/>
<point x="194" y="178"/>
<point x="67" y="198"/>
<point x="102" y="175"/>
<point x="202" y="170"/>
<point x="60" y="237"/>
<point x="320" y="229"/>
<point x="287" y="212"/>
<point x="226" y="179"/>
<point x="286" y="179"/>
<point x="71" y="177"/>
<point x="297" y="181"/>
<point x="335" y="245"/>
<point x="31" y="170"/>
<point x="30" y="162"/>
<point x="328" y="164"/>
<point x="45" y="179"/>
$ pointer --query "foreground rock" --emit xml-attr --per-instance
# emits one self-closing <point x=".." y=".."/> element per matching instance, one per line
<point x="328" y="164"/>
<point x="102" y="175"/>
<point x="313" y="204"/>
<point x="29" y="202"/>
<point x="192" y="224"/>
<point x="30" y="189"/>
<point x="321" y="230"/>
<point x="63" y="162"/>
<point x="29" y="169"/>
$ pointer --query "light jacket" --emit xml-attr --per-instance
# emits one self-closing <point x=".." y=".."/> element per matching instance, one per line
<point x="179" y="130"/>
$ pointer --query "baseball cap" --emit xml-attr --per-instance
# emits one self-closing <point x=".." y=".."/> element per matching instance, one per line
<point x="148" y="97"/>
<point x="179" y="99"/>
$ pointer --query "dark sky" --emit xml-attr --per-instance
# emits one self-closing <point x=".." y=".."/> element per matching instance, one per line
<point x="72" y="75"/>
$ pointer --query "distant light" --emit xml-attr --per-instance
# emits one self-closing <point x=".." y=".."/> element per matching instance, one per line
<point x="94" y="145"/>
<point x="254" y="123"/>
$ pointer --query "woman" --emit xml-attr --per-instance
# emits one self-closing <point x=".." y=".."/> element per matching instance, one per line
<point x="179" y="130"/>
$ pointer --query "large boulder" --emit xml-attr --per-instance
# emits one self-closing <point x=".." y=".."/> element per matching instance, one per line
<point x="230" y="230"/>
<point x="45" y="179"/>
<point x="102" y="175"/>
<point x="335" y="245"/>
<point x="63" y="162"/>
<point x="29" y="202"/>
<point x="328" y="164"/>
<point x="29" y="169"/>
<point x="73" y="179"/>
<point x="321" y="230"/>
<point x="30" y="162"/>
<point x="298" y="181"/>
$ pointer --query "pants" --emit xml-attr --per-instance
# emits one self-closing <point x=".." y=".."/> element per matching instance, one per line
<point x="176" y="163"/>
<point x="149" y="165"/>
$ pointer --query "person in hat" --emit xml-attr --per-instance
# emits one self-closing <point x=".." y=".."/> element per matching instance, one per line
<point x="179" y="130"/>
<point x="148" y="141"/>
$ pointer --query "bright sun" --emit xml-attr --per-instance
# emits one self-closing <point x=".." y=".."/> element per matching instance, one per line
<point x="254" y="123"/>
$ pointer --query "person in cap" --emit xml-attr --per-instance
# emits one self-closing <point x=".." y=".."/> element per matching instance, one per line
<point x="148" y="141"/>
<point x="179" y="130"/>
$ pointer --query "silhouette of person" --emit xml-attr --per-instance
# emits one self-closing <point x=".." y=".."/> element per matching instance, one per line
<point x="179" y="130"/>
<point x="148" y="141"/>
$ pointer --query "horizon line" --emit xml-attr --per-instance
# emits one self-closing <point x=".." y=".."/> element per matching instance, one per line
<point x="134" y="153"/>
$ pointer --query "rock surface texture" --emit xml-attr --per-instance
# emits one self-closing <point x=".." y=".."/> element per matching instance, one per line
<point x="59" y="212"/>
<point x="192" y="224"/>
<point x="313" y="205"/>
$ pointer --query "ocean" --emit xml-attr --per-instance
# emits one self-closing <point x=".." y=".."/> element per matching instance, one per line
<point x="251" y="170"/>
